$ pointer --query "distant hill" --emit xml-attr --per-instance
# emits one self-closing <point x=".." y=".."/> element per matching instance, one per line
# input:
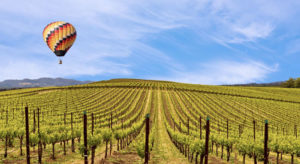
<point x="42" y="82"/>
<point x="273" y="84"/>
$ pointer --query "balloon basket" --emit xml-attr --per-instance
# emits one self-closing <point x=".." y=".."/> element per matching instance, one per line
<point x="60" y="62"/>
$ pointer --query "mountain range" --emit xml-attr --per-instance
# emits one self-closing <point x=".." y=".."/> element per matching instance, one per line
<point x="46" y="82"/>
<point x="41" y="82"/>
<point x="272" y="84"/>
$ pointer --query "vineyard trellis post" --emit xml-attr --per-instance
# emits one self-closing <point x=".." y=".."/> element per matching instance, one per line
<point x="85" y="137"/>
<point x="92" y="123"/>
<point x="27" y="135"/>
<point x="254" y="130"/>
<point x="73" y="147"/>
<point x="147" y="138"/>
<point x="6" y="136"/>
<point x="200" y="127"/>
<point x="207" y="140"/>
<point x="188" y="147"/>
<point x="254" y="155"/>
<point x="111" y="120"/>
<point x="111" y="124"/>
<point x="34" y="121"/>
<point x="266" y="154"/>
<point x="227" y="127"/>
<point x="40" y="148"/>
<point x="228" y="148"/>
<point x="65" y="153"/>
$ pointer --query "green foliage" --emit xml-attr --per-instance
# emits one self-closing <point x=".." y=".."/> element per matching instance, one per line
<point x="291" y="83"/>
<point x="20" y="132"/>
<point x="140" y="148"/>
<point x="297" y="83"/>
<point x="34" y="138"/>
<point x="94" y="140"/>
<point x="244" y="147"/>
<point x="198" y="146"/>
<point x="118" y="134"/>
<point x="106" y="135"/>
<point x="81" y="150"/>
<point x="54" y="138"/>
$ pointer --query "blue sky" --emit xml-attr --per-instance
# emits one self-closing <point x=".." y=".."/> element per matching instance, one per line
<point x="204" y="42"/>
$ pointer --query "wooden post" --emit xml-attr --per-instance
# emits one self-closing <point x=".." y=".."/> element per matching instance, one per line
<point x="73" y="147"/>
<point x="65" y="153"/>
<point x="200" y="128"/>
<point x="266" y="154"/>
<point x="188" y="149"/>
<point x="147" y="139"/>
<point x="111" y="120"/>
<point x="92" y="123"/>
<point x="85" y="137"/>
<point x="227" y="128"/>
<point x="207" y="140"/>
<point x="111" y="124"/>
<point x="254" y="130"/>
<point x="40" y="147"/>
<point x="228" y="150"/>
<point x="27" y="136"/>
<point x="38" y="110"/>
<point x="254" y="155"/>
<point x="34" y="121"/>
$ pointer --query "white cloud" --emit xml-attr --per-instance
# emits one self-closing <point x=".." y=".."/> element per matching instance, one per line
<point x="223" y="72"/>
<point x="252" y="32"/>
<point x="239" y="22"/>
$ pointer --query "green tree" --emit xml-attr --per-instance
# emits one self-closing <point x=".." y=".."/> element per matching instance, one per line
<point x="297" y="83"/>
<point x="289" y="83"/>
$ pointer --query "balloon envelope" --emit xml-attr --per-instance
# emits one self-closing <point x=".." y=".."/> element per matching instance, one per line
<point x="59" y="37"/>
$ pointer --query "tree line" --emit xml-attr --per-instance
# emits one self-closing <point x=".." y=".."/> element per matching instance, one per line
<point x="291" y="83"/>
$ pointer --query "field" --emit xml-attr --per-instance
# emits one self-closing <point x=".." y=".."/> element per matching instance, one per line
<point x="116" y="111"/>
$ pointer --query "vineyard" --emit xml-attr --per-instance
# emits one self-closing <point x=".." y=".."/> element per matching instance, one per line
<point x="115" y="113"/>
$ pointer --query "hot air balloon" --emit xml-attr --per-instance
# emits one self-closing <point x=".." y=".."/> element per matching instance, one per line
<point x="59" y="37"/>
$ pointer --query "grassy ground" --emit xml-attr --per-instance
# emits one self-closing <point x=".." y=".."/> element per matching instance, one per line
<point x="164" y="151"/>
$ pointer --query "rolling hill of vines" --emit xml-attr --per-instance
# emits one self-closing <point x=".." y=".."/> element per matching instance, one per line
<point x="116" y="111"/>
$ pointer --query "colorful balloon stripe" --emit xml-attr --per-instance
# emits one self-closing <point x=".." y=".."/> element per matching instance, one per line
<point x="59" y="36"/>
